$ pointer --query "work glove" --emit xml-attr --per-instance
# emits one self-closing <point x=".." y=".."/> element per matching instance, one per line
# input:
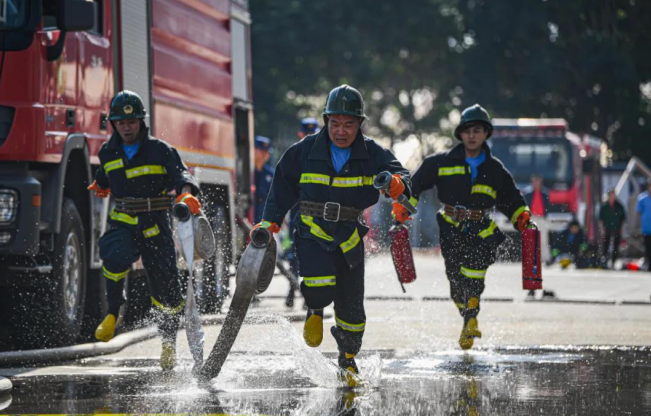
<point x="271" y="226"/>
<point x="99" y="192"/>
<point x="191" y="201"/>
<point x="400" y="213"/>
<point x="396" y="187"/>
<point x="523" y="220"/>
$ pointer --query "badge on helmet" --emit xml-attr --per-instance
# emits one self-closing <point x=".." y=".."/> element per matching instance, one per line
<point x="475" y="114"/>
<point x="127" y="105"/>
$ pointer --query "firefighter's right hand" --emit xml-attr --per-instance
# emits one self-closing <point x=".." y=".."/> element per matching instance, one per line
<point x="524" y="220"/>
<point x="271" y="226"/>
<point x="99" y="192"/>
<point x="400" y="213"/>
<point x="191" y="201"/>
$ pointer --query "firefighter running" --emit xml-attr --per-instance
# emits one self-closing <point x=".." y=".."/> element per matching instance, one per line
<point x="140" y="170"/>
<point x="470" y="182"/>
<point x="330" y="174"/>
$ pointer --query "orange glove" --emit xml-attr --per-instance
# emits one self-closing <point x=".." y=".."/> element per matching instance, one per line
<point x="271" y="226"/>
<point x="400" y="213"/>
<point x="191" y="201"/>
<point x="524" y="219"/>
<point x="396" y="187"/>
<point x="99" y="192"/>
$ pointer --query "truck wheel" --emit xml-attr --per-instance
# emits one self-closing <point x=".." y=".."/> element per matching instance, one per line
<point x="55" y="309"/>
<point x="213" y="287"/>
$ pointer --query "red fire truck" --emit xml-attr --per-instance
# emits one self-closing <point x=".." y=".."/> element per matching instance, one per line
<point x="570" y="166"/>
<point x="62" y="61"/>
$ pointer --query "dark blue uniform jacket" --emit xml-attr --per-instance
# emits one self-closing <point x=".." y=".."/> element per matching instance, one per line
<point x="305" y="173"/>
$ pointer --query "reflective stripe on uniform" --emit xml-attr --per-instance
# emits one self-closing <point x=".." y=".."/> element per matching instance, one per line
<point x="112" y="165"/>
<point x="352" y="182"/>
<point x="151" y="232"/>
<point x="484" y="189"/>
<point x="116" y="277"/>
<point x="453" y="170"/>
<point x="320" y="281"/>
<point x="516" y="214"/>
<point x="315" y="178"/>
<point x="473" y="274"/>
<point x="348" y="326"/>
<point x="315" y="229"/>
<point x="488" y="231"/>
<point x="349" y="244"/>
<point x="449" y="219"/>
<point x="460" y="305"/>
<point x="167" y="309"/>
<point x="146" y="170"/>
<point x="413" y="201"/>
<point x="122" y="217"/>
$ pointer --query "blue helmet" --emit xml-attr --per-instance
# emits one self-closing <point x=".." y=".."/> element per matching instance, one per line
<point x="309" y="125"/>
<point x="263" y="143"/>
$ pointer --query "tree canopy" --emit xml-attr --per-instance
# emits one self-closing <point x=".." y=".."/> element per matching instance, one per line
<point x="417" y="62"/>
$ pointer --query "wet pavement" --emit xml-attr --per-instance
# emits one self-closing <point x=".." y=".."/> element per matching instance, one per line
<point x="547" y="357"/>
<point x="590" y="381"/>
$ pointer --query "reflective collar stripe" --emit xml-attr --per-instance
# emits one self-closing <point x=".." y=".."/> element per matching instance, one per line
<point x="454" y="170"/>
<point x="349" y="244"/>
<point x="413" y="201"/>
<point x="112" y="165"/>
<point x="122" y="217"/>
<point x="146" y="170"/>
<point x="352" y="182"/>
<point x="473" y="274"/>
<point x="315" y="229"/>
<point x="449" y="219"/>
<point x="167" y="309"/>
<point x="116" y="277"/>
<point x="320" y="281"/>
<point x="315" y="178"/>
<point x="484" y="189"/>
<point x="350" y="327"/>
<point x="516" y="214"/>
<point x="151" y="232"/>
<point x="488" y="231"/>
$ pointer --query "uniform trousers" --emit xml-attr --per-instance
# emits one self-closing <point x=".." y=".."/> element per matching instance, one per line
<point x="150" y="238"/>
<point x="327" y="278"/>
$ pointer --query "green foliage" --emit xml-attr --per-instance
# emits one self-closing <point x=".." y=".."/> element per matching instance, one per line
<point x="416" y="61"/>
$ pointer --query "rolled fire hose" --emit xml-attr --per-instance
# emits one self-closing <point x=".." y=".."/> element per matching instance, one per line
<point x="254" y="273"/>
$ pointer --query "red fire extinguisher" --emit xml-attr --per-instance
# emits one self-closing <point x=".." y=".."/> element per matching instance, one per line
<point x="403" y="259"/>
<point x="531" y="269"/>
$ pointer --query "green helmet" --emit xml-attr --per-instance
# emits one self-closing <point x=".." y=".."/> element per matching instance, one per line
<point x="344" y="100"/>
<point x="474" y="114"/>
<point x="125" y="105"/>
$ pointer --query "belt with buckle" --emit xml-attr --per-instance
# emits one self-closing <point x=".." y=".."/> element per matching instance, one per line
<point x="460" y="213"/>
<point x="134" y="205"/>
<point x="330" y="211"/>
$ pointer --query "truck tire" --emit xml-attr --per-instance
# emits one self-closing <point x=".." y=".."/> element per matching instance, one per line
<point x="53" y="312"/>
<point x="213" y="285"/>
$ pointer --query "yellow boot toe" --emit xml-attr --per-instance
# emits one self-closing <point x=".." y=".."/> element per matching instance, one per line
<point x="313" y="329"/>
<point x="472" y="328"/>
<point x="168" y="356"/>
<point x="106" y="329"/>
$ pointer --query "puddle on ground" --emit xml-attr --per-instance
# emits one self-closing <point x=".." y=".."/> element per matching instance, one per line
<point x="560" y="380"/>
